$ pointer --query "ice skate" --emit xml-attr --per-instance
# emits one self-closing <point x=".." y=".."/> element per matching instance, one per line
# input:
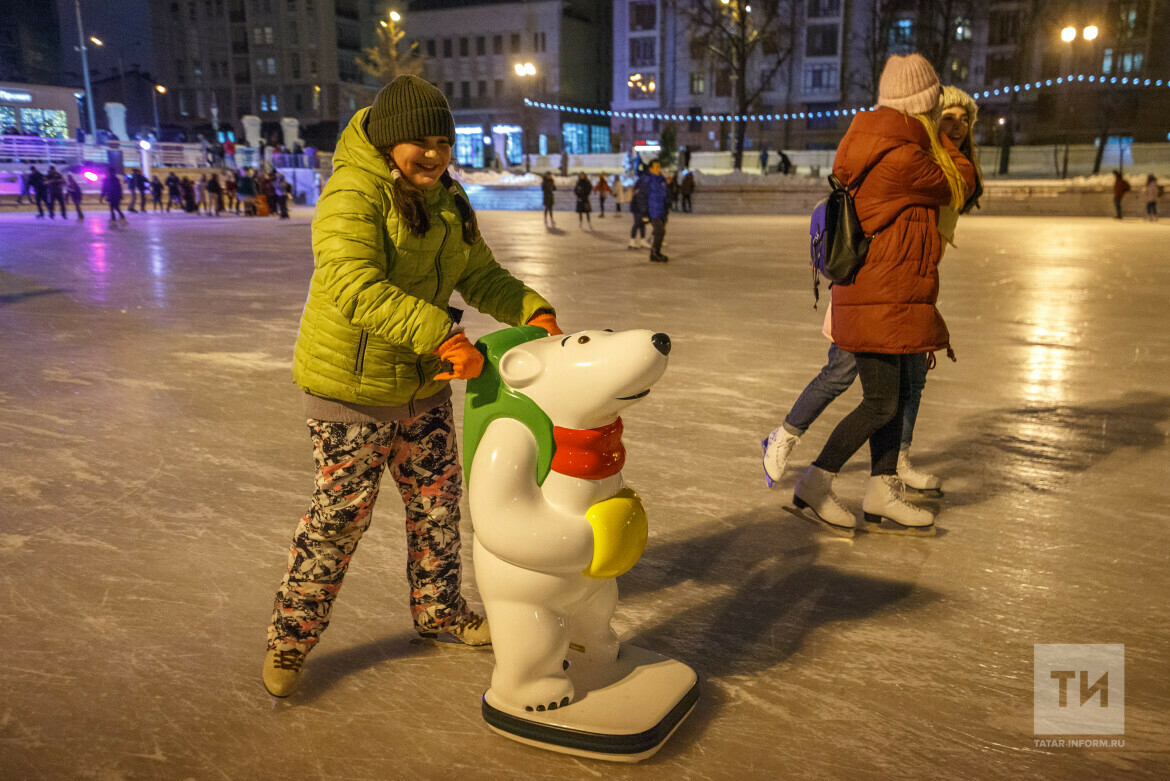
<point x="914" y="478"/>
<point x="282" y="671"/>
<point x="815" y="501"/>
<point x="473" y="632"/>
<point x="113" y="223"/>
<point x="633" y="244"/>
<point x="886" y="510"/>
<point x="777" y="448"/>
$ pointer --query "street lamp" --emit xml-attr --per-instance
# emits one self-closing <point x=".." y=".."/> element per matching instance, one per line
<point x="158" y="90"/>
<point x="525" y="70"/>
<point x="85" y="72"/>
<point x="1090" y="32"/>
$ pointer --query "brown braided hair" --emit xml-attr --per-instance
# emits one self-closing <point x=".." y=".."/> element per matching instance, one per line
<point x="411" y="203"/>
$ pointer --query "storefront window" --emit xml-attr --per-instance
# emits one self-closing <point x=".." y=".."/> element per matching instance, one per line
<point x="48" y="123"/>
<point x="581" y="139"/>
<point x="469" y="146"/>
<point x="7" y="119"/>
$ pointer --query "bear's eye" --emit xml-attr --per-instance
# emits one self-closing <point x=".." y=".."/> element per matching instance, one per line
<point x="582" y="340"/>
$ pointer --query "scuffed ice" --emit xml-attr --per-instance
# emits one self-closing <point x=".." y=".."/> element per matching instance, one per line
<point x="156" y="461"/>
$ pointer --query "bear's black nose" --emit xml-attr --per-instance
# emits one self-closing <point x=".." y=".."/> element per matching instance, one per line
<point x="661" y="343"/>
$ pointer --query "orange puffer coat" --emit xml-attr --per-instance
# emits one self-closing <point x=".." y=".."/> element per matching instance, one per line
<point x="890" y="306"/>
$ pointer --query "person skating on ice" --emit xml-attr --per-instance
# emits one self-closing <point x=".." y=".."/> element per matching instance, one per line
<point x="582" y="189"/>
<point x="957" y="122"/>
<point x="657" y="199"/>
<point x="393" y="237"/>
<point x="888" y="315"/>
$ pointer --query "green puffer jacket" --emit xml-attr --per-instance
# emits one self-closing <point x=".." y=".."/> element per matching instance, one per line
<point x="377" y="305"/>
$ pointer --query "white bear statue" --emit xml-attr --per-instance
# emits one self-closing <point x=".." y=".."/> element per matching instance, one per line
<point x="554" y="522"/>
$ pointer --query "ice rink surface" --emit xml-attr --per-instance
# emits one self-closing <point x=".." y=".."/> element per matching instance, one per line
<point x="155" y="463"/>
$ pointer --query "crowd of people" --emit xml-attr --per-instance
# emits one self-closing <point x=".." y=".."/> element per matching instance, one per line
<point x="245" y="192"/>
<point x="649" y="197"/>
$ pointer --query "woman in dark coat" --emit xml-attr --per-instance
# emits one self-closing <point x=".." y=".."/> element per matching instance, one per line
<point x="901" y="173"/>
<point x="582" y="190"/>
<point x="548" y="187"/>
<point x="112" y="192"/>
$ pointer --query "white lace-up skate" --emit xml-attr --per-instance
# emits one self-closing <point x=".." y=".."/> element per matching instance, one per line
<point x="816" y="501"/>
<point x="914" y="478"/>
<point x="885" y="499"/>
<point x="777" y="448"/>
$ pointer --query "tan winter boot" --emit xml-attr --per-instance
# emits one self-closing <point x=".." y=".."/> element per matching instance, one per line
<point x="913" y="478"/>
<point x="886" y="498"/>
<point x="474" y="632"/>
<point x="814" y="493"/>
<point x="282" y="671"/>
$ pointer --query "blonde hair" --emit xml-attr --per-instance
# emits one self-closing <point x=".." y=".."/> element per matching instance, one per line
<point x="950" y="170"/>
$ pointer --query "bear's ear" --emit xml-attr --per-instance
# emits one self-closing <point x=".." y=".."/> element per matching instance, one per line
<point x="519" y="367"/>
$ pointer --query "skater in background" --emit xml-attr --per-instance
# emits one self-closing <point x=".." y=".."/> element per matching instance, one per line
<point x="36" y="182"/>
<point x="73" y="191"/>
<point x="687" y="188"/>
<point x="603" y="190"/>
<point x="1120" y="188"/>
<point x="548" y="188"/>
<point x="214" y="195"/>
<point x="229" y="189"/>
<point x="174" y="191"/>
<point x="657" y="194"/>
<point x="247" y="188"/>
<point x="619" y="193"/>
<point x="889" y="313"/>
<point x="389" y="415"/>
<point x="582" y="189"/>
<point x="280" y="185"/>
<point x="675" y="190"/>
<point x="1153" y="192"/>
<point x="55" y="185"/>
<point x="156" y="191"/>
<point x="112" y="192"/>
<point x="639" y="211"/>
<point x="764" y="161"/>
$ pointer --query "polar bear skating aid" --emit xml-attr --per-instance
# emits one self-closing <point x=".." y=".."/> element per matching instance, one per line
<point x="554" y="525"/>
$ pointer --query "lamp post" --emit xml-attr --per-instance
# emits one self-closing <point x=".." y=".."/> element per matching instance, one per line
<point x="154" y="93"/>
<point x="1069" y="36"/>
<point x="525" y="70"/>
<point x="85" y="71"/>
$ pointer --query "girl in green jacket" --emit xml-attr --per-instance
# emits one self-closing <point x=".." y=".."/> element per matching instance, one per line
<point x="393" y="237"/>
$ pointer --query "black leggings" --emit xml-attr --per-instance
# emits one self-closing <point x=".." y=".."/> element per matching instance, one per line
<point x="885" y="384"/>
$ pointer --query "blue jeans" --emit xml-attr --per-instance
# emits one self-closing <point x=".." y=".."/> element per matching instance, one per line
<point x="837" y="375"/>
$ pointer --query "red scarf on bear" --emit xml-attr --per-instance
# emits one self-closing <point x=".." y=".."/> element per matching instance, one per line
<point x="589" y="453"/>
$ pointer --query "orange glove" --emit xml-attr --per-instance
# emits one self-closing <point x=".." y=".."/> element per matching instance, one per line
<point x="546" y="321"/>
<point x="460" y="354"/>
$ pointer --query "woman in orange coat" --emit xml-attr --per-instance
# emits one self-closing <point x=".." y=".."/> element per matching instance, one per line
<point x="901" y="173"/>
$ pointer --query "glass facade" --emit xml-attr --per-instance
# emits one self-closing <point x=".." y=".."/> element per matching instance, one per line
<point x="582" y="139"/>
<point x="469" y="146"/>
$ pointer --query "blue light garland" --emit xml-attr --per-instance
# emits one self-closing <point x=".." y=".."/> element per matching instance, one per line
<point x="989" y="93"/>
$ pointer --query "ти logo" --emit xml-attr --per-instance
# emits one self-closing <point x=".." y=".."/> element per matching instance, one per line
<point x="1079" y="689"/>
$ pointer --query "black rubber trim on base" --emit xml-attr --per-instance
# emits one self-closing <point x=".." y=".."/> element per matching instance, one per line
<point x="592" y="741"/>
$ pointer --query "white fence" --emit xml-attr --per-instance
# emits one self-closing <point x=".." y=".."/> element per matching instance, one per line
<point x="64" y="152"/>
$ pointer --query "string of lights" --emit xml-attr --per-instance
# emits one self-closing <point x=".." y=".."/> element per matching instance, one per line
<point x="1130" y="81"/>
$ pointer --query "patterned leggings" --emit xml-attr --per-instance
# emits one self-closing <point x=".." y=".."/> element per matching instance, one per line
<point x="421" y="455"/>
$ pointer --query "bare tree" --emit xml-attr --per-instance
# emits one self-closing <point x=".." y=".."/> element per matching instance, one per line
<point x="751" y="39"/>
<point x="874" y="42"/>
<point x="383" y="61"/>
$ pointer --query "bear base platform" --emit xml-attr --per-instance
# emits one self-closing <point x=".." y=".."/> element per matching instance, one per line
<point x="624" y="711"/>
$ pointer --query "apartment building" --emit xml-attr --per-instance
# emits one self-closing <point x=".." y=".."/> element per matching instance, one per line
<point x="488" y="56"/>
<point x="821" y="59"/>
<point x="223" y="59"/>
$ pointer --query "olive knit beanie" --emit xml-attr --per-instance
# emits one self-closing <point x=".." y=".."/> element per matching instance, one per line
<point x="953" y="96"/>
<point x="407" y="109"/>
<point x="908" y="84"/>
